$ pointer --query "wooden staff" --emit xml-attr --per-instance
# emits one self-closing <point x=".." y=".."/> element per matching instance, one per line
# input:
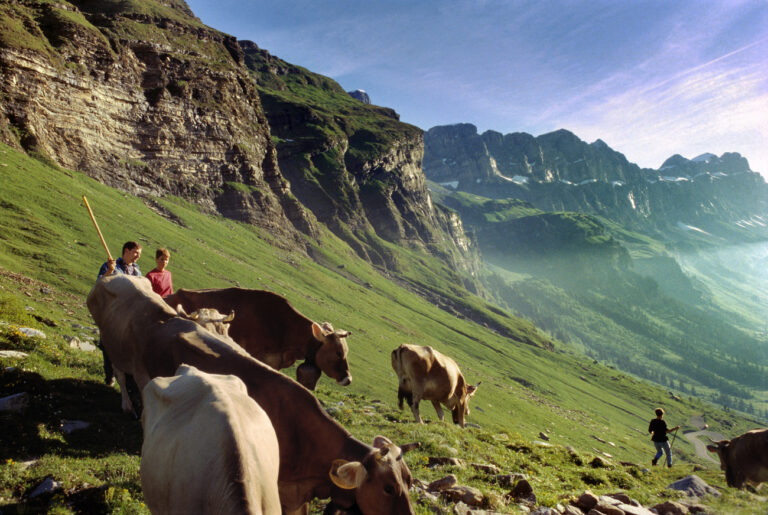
<point x="109" y="256"/>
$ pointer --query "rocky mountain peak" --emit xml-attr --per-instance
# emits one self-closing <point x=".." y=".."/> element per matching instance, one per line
<point x="360" y="95"/>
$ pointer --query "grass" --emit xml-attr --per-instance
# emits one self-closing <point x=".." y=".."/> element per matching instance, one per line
<point x="48" y="244"/>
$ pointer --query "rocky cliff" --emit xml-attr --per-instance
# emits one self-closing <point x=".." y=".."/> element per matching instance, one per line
<point x="354" y="165"/>
<point x="559" y="172"/>
<point x="143" y="97"/>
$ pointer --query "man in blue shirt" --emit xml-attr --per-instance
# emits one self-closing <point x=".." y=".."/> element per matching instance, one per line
<point x="126" y="264"/>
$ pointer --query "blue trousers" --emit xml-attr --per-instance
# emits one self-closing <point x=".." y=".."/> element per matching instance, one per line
<point x="663" y="448"/>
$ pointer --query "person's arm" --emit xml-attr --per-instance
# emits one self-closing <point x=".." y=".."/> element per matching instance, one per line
<point x="107" y="268"/>
<point x="673" y="429"/>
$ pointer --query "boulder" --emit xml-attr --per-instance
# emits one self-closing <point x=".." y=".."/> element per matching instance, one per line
<point x="620" y="496"/>
<point x="522" y="491"/>
<point x="671" y="508"/>
<point x="48" y="486"/>
<point x="630" y="509"/>
<point x="586" y="501"/>
<point x="33" y="333"/>
<point x="694" y="486"/>
<point x="572" y="510"/>
<point x="509" y="479"/>
<point x="488" y="469"/>
<point x="466" y="494"/>
<point x="607" y="509"/>
<point x="442" y="484"/>
<point x="15" y="402"/>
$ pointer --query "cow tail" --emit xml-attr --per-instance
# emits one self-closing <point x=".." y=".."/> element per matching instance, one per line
<point x="397" y="364"/>
<point x="404" y="394"/>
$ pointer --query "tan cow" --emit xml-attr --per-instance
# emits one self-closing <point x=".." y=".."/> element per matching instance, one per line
<point x="424" y="373"/>
<point x="208" y="447"/>
<point x="209" y="318"/>
<point x="272" y="331"/>
<point x="744" y="459"/>
<point x="143" y="336"/>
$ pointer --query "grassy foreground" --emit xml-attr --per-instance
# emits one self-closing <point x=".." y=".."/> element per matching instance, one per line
<point x="49" y="255"/>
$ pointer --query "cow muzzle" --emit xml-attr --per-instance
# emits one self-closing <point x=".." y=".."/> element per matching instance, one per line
<point x="345" y="381"/>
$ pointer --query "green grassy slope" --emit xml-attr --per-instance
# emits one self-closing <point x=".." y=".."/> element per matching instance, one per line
<point x="49" y="255"/>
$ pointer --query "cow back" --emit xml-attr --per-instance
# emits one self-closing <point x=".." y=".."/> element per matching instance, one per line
<point x="208" y="447"/>
<point x="747" y="458"/>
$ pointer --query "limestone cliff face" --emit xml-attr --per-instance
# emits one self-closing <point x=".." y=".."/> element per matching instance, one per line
<point x="354" y="165"/>
<point x="149" y="103"/>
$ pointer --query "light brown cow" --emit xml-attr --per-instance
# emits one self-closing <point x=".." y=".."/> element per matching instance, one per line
<point x="144" y="336"/>
<point x="208" y="447"/>
<point x="209" y="318"/>
<point x="424" y="373"/>
<point x="273" y="332"/>
<point x="744" y="459"/>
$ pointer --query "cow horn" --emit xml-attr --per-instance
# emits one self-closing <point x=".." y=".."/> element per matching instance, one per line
<point x="180" y="310"/>
<point x="410" y="446"/>
<point x="229" y="317"/>
<point x="327" y="327"/>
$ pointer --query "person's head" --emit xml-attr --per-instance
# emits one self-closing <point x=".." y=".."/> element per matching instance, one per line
<point x="659" y="412"/>
<point x="162" y="256"/>
<point x="131" y="252"/>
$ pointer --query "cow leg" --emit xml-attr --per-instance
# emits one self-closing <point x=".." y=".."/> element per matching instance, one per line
<point x="126" y="400"/>
<point x="438" y="409"/>
<point x="415" y="408"/>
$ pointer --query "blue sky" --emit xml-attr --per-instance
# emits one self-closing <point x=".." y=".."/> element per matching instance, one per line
<point x="650" y="78"/>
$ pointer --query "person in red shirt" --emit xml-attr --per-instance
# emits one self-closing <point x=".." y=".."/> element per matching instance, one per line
<point x="162" y="282"/>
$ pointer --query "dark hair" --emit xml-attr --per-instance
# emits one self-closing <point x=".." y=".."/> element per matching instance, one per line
<point x="130" y="245"/>
<point x="162" y="252"/>
<point x="659" y="412"/>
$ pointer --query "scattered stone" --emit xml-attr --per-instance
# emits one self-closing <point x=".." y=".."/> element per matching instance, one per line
<point x="46" y="321"/>
<point x="26" y="464"/>
<point x="620" y="496"/>
<point x="544" y="510"/>
<point x="671" y="508"/>
<point x="607" y="509"/>
<point x="543" y="436"/>
<point x="607" y="500"/>
<point x="13" y="354"/>
<point x="599" y="439"/>
<point x="539" y="443"/>
<point x="586" y="501"/>
<point x="15" y="402"/>
<point x="488" y="469"/>
<point x="46" y="290"/>
<point x="34" y="333"/>
<point x="48" y="486"/>
<point x="630" y="509"/>
<point x="69" y="426"/>
<point x="694" y="486"/>
<point x="466" y="494"/>
<point x="509" y="479"/>
<point x="699" y="508"/>
<point x="445" y="483"/>
<point x="572" y="510"/>
<point x="522" y="491"/>
<point x="435" y="461"/>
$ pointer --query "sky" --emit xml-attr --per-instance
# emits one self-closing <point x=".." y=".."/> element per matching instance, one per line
<point x="650" y="78"/>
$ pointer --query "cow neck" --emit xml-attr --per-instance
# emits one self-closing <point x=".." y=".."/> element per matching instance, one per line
<point x="311" y="349"/>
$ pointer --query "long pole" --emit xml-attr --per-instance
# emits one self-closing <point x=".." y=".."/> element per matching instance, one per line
<point x="96" y="225"/>
<point x="673" y="439"/>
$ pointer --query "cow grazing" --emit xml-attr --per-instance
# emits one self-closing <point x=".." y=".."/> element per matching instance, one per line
<point x="209" y="318"/>
<point x="744" y="459"/>
<point x="273" y="332"/>
<point x="208" y="447"/>
<point x="144" y="336"/>
<point x="424" y="373"/>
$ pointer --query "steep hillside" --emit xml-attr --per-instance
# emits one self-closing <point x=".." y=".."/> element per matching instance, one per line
<point x="49" y="253"/>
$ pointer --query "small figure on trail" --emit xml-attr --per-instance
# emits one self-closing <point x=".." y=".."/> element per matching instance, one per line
<point x="126" y="264"/>
<point x="659" y="429"/>
<point x="162" y="282"/>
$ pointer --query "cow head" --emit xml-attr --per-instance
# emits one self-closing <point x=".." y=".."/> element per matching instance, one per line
<point x="721" y="448"/>
<point x="461" y="408"/>
<point x="331" y="356"/>
<point x="381" y="481"/>
<point x="209" y="318"/>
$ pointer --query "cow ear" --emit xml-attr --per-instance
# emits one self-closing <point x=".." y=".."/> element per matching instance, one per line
<point x="472" y="389"/>
<point x="712" y="448"/>
<point x="347" y="474"/>
<point x="380" y="442"/>
<point x="317" y="332"/>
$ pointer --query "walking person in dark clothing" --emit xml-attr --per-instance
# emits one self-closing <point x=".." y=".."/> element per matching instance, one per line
<point x="659" y="429"/>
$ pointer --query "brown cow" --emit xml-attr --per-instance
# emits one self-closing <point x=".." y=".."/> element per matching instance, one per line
<point x="424" y="373"/>
<point x="144" y="336"/>
<point x="273" y="332"/>
<point x="744" y="459"/>
<point x="208" y="447"/>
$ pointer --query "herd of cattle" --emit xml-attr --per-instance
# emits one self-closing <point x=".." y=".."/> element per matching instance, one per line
<point x="225" y="432"/>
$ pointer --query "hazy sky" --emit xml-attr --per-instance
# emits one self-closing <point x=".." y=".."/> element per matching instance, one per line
<point x="650" y="78"/>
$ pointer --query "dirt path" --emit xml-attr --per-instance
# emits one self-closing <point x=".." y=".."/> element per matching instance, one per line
<point x="701" y="446"/>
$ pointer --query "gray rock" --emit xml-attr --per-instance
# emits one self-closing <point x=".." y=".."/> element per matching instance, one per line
<point x="48" y="486"/>
<point x="671" y="508"/>
<point x="572" y="510"/>
<point x="33" y="333"/>
<point x="442" y="484"/>
<point x="466" y="494"/>
<point x="360" y="95"/>
<point x="13" y="354"/>
<point x="15" y="402"/>
<point x="69" y="426"/>
<point x="629" y="509"/>
<point x="488" y="469"/>
<point x="694" y="486"/>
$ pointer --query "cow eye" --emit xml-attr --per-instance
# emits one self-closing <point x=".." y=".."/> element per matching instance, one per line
<point x="389" y="490"/>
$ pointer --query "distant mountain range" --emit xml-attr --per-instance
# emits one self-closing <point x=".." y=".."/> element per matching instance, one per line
<point x="559" y="172"/>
